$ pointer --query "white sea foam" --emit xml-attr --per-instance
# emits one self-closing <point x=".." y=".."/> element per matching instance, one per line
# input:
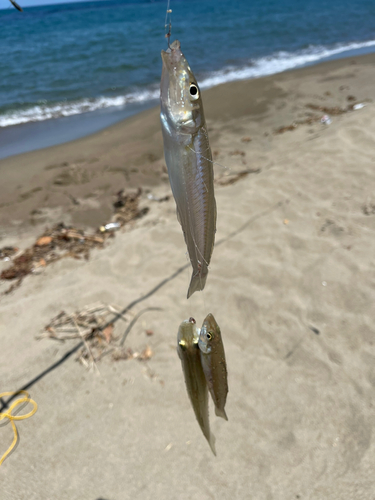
<point x="275" y="63"/>
<point x="45" y="112"/>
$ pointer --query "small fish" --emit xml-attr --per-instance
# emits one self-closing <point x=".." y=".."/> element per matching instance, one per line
<point x="188" y="352"/>
<point x="213" y="363"/>
<point x="189" y="160"/>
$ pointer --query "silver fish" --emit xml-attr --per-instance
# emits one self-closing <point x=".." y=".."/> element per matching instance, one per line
<point x="189" y="160"/>
<point x="188" y="352"/>
<point x="213" y="363"/>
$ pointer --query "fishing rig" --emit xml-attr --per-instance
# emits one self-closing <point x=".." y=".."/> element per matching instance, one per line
<point x="168" y="23"/>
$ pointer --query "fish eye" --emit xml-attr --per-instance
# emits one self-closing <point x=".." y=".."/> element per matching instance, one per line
<point x="209" y="335"/>
<point x="194" y="92"/>
<point x="182" y="344"/>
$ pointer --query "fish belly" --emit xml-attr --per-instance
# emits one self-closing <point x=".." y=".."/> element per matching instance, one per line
<point x="190" y="173"/>
<point x="216" y="377"/>
<point x="197" y="390"/>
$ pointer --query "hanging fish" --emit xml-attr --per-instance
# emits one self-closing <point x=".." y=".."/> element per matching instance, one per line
<point x="188" y="351"/>
<point x="213" y="363"/>
<point x="189" y="160"/>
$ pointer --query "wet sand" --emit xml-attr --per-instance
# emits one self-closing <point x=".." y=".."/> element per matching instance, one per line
<point x="291" y="285"/>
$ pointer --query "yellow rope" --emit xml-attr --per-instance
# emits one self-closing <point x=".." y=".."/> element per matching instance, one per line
<point x="11" y="418"/>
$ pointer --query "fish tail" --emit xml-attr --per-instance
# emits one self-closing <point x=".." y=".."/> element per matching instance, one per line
<point x="197" y="283"/>
<point x="211" y="442"/>
<point x="221" y="413"/>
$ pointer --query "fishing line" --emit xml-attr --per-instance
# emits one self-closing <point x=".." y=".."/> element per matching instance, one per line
<point x="11" y="418"/>
<point x="211" y="161"/>
<point x="168" y="23"/>
<point x="188" y="270"/>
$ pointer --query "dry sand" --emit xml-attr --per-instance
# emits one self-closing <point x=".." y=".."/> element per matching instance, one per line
<point x="291" y="285"/>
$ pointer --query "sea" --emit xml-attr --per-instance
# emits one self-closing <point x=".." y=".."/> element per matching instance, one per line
<point x="70" y="69"/>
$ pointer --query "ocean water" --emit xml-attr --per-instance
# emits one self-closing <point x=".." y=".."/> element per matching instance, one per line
<point x="71" y="59"/>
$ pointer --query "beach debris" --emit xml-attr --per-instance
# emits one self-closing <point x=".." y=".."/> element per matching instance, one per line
<point x="360" y="105"/>
<point x="91" y="320"/>
<point x="246" y="139"/>
<point x="326" y="120"/>
<point x="152" y="197"/>
<point x="67" y="241"/>
<point x="327" y="110"/>
<point x="112" y="226"/>
<point x="127" y="207"/>
<point x="95" y="326"/>
<point x="44" y="240"/>
<point x="12" y="417"/>
<point x="227" y="180"/>
<point x="145" y="354"/>
<point x="7" y="252"/>
<point x="149" y="333"/>
<point x="107" y="333"/>
<point x="56" y="243"/>
<point x="286" y="221"/>
<point x="128" y="353"/>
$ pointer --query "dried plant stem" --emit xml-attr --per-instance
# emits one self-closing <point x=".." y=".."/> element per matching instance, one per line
<point x="87" y="346"/>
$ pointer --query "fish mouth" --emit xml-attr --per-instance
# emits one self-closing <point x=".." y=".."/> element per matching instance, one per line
<point x="172" y="56"/>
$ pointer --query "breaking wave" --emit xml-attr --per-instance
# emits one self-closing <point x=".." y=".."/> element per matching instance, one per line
<point x="280" y="61"/>
<point x="47" y="111"/>
<point x="275" y="63"/>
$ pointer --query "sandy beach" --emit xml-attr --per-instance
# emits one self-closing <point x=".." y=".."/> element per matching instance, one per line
<point x="291" y="284"/>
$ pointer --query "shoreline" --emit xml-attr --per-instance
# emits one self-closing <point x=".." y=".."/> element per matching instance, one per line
<point x="61" y="130"/>
<point x="38" y="187"/>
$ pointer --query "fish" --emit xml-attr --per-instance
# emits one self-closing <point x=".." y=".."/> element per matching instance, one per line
<point x="189" y="160"/>
<point x="214" y="366"/>
<point x="196" y="386"/>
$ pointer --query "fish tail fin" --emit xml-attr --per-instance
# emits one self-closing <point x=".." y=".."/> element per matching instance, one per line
<point x="211" y="442"/>
<point x="197" y="283"/>
<point x="221" y="413"/>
